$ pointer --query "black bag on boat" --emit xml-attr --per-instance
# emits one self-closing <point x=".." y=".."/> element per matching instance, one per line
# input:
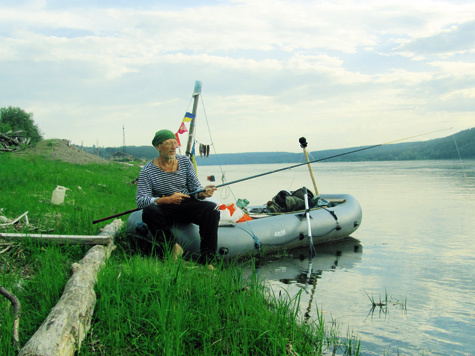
<point x="281" y="198"/>
<point x="286" y="201"/>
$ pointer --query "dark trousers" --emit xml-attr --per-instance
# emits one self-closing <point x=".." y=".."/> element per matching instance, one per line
<point x="205" y="214"/>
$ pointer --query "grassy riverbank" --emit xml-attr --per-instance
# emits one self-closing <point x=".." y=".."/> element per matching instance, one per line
<point x="148" y="306"/>
<point x="145" y="305"/>
<point x="93" y="190"/>
<point x="36" y="274"/>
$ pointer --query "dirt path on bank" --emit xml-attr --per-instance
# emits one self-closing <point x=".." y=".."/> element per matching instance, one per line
<point x="59" y="149"/>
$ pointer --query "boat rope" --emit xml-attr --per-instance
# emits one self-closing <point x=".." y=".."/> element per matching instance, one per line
<point x="257" y="244"/>
<point x="332" y="213"/>
<point x="283" y="242"/>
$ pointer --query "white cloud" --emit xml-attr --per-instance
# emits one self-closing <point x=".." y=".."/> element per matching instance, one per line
<point x="458" y="69"/>
<point x="366" y="69"/>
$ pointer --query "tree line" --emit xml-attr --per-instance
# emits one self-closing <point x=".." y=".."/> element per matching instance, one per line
<point x="14" y="119"/>
<point x="459" y="145"/>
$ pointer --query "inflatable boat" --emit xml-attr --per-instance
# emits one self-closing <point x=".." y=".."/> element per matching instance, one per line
<point x="269" y="232"/>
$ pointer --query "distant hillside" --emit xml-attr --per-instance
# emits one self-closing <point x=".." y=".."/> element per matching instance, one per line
<point x="59" y="149"/>
<point x="441" y="148"/>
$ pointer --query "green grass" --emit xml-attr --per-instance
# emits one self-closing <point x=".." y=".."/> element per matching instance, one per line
<point x="145" y="305"/>
<point x="94" y="191"/>
<point x="36" y="274"/>
<point x="148" y="306"/>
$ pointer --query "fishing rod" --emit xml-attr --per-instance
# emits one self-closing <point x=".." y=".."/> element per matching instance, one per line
<point x="314" y="161"/>
<point x="116" y="215"/>
<point x="280" y="170"/>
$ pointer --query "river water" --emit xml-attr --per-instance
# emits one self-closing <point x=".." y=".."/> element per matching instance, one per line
<point x="413" y="255"/>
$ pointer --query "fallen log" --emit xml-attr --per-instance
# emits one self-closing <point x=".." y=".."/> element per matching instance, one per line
<point x="71" y="239"/>
<point x="63" y="331"/>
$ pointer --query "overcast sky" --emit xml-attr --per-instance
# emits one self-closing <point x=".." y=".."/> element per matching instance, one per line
<point x="340" y="73"/>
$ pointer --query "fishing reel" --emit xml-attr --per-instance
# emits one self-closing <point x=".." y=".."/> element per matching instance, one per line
<point x="303" y="142"/>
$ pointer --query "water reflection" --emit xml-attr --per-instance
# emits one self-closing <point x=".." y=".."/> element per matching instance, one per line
<point x="296" y="267"/>
<point x="297" y="274"/>
<point x="417" y="233"/>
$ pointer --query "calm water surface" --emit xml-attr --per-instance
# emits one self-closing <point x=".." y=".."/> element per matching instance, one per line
<point x="415" y="249"/>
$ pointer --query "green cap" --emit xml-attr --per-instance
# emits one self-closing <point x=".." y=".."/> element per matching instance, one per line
<point x="161" y="136"/>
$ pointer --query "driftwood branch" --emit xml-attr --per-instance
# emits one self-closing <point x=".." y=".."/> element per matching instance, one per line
<point x="16" y="315"/>
<point x="12" y="222"/>
<point x="13" y="141"/>
<point x="63" y="331"/>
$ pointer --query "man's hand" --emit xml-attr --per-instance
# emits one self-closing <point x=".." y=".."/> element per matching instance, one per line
<point x="209" y="190"/>
<point x="175" y="198"/>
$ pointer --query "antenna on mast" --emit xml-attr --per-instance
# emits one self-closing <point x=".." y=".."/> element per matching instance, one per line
<point x="123" y="139"/>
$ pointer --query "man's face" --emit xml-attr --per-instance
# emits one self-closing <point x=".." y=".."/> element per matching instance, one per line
<point x="168" y="148"/>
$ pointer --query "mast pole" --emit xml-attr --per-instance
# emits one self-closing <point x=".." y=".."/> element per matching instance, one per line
<point x="196" y="95"/>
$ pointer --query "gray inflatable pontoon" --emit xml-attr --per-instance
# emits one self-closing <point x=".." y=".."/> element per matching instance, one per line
<point x="271" y="232"/>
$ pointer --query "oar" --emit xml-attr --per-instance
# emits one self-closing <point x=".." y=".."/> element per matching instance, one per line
<point x="303" y="144"/>
<point x="278" y="170"/>
<point x="311" y="252"/>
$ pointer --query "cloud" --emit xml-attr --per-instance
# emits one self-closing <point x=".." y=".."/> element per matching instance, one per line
<point x="347" y="72"/>
<point x="457" y="39"/>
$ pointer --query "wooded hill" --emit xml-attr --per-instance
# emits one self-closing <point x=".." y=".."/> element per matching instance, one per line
<point x="459" y="145"/>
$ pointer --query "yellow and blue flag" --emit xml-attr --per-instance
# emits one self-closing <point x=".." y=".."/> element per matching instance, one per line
<point x="188" y="117"/>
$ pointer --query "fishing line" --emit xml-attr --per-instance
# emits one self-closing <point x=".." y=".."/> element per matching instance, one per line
<point x="224" y="194"/>
<point x="295" y="175"/>
<point x="318" y="160"/>
<point x="282" y="169"/>
<point x="460" y="158"/>
<point x="228" y="189"/>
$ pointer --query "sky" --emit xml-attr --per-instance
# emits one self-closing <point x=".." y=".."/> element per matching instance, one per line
<point x="340" y="73"/>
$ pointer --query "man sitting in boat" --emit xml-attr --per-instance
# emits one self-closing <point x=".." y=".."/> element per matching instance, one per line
<point x="163" y="191"/>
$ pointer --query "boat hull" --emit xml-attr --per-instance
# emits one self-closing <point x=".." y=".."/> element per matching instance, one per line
<point x="273" y="233"/>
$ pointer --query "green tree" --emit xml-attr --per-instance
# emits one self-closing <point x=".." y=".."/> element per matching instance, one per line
<point x="17" y="119"/>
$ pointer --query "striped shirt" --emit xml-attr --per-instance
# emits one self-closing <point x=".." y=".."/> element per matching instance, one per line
<point x="154" y="183"/>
